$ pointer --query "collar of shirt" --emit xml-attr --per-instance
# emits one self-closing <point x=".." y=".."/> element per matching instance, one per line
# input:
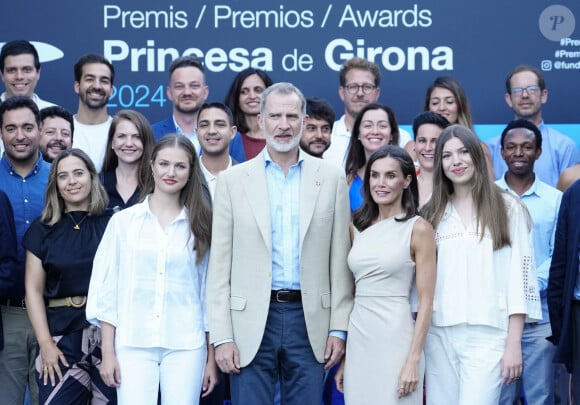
<point x="180" y="130"/>
<point x="535" y="189"/>
<point x="339" y="128"/>
<point x="142" y="209"/>
<point x="34" y="97"/>
<point x="192" y="137"/>
<point x="268" y="159"/>
<point x="209" y="175"/>
<point x="10" y="169"/>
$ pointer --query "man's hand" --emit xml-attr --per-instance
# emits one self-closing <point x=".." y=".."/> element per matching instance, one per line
<point x="227" y="358"/>
<point x="334" y="351"/>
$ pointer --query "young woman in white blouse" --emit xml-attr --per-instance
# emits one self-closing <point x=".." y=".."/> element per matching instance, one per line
<point x="148" y="286"/>
<point x="486" y="283"/>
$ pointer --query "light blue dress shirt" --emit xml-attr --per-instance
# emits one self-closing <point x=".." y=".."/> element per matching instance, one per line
<point x="26" y="194"/>
<point x="284" y="194"/>
<point x="558" y="153"/>
<point x="543" y="203"/>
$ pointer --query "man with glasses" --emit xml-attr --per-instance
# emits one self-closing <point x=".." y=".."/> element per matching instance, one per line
<point x="525" y="94"/>
<point x="187" y="91"/>
<point x="359" y="87"/>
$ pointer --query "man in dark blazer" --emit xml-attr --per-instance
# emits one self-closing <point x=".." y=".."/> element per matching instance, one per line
<point x="187" y="91"/>
<point x="564" y="287"/>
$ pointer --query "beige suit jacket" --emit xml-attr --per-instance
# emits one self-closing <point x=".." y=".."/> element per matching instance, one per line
<point x="239" y="278"/>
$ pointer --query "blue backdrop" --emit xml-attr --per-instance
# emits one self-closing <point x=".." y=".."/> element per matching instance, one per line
<point x="477" y="42"/>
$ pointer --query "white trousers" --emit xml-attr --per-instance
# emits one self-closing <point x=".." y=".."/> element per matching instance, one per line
<point x="179" y="373"/>
<point x="462" y="364"/>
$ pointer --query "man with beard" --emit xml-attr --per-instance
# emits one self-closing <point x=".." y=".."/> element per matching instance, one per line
<point x="94" y="76"/>
<point x="526" y="92"/>
<point x="316" y="135"/>
<point x="359" y="86"/>
<point x="56" y="131"/>
<point x="187" y="91"/>
<point x="279" y="292"/>
<point x="23" y="177"/>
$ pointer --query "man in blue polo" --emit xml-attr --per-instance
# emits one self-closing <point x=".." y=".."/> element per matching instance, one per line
<point x="526" y="93"/>
<point x="23" y="177"/>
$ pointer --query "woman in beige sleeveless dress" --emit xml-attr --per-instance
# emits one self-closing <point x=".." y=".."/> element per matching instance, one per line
<point x="384" y="361"/>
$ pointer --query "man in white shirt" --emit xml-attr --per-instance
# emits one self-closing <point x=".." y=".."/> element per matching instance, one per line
<point x="215" y="130"/>
<point x="359" y="87"/>
<point x="20" y="70"/>
<point x="94" y="76"/>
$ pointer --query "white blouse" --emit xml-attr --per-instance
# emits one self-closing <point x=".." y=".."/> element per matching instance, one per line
<point x="146" y="283"/>
<point x="477" y="285"/>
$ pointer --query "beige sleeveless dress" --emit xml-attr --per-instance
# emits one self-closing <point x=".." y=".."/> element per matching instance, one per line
<point x="381" y="326"/>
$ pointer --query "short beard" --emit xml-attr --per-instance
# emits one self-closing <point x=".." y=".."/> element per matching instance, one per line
<point x="282" y="147"/>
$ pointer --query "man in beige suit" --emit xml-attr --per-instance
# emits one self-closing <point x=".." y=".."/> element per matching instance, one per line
<point x="279" y="292"/>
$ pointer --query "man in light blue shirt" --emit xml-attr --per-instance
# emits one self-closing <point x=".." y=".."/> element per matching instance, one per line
<point x="279" y="292"/>
<point x="521" y="146"/>
<point x="525" y="94"/>
<point x="23" y="177"/>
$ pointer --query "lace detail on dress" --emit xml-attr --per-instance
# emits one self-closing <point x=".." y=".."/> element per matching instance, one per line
<point x="439" y="237"/>
<point x="530" y="284"/>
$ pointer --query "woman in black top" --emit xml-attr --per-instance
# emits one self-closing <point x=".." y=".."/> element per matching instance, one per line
<point x="127" y="157"/>
<point x="60" y="246"/>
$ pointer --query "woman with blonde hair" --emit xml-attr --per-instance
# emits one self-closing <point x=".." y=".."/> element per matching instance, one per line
<point x="60" y="246"/>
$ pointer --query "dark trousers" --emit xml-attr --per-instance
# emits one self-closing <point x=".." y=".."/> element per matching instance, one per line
<point x="285" y="354"/>
<point x="576" y="353"/>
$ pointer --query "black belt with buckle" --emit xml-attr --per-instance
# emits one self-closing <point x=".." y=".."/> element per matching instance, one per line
<point x="286" y="296"/>
<point x="12" y="303"/>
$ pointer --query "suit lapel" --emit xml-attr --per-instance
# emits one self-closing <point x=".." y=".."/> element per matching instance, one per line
<point x="310" y="185"/>
<point x="257" y="194"/>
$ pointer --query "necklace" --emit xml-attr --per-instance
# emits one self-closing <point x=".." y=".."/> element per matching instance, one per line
<point x="77" y="224"/>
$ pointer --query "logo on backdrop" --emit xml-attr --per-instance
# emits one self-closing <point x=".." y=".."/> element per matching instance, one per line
<point x="557" y="22"/>
<point x="46" y="52"/>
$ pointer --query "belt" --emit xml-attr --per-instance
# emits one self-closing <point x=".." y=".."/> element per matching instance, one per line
<point x="286" y="296"/>
<point x="78" y="301"/>
<point x="12" y="303"/>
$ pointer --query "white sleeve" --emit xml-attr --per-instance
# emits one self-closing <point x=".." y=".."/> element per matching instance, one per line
<point x="202" y="274"/>
<point x="523" y="290"/>
<point x="102" y="296"/>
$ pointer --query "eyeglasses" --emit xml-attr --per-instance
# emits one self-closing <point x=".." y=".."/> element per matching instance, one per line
<point x="353" y="88"/>
<point x="531" y="90"/>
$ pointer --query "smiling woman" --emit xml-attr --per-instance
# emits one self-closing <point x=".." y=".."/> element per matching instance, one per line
<point x="384" y="347"/>
<point x="375" y="126"/>
<point x="485" y="287"/>
<point x="127" y="157"/>
<point x="60" y="247"/>
<point x="147" y="291"/>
